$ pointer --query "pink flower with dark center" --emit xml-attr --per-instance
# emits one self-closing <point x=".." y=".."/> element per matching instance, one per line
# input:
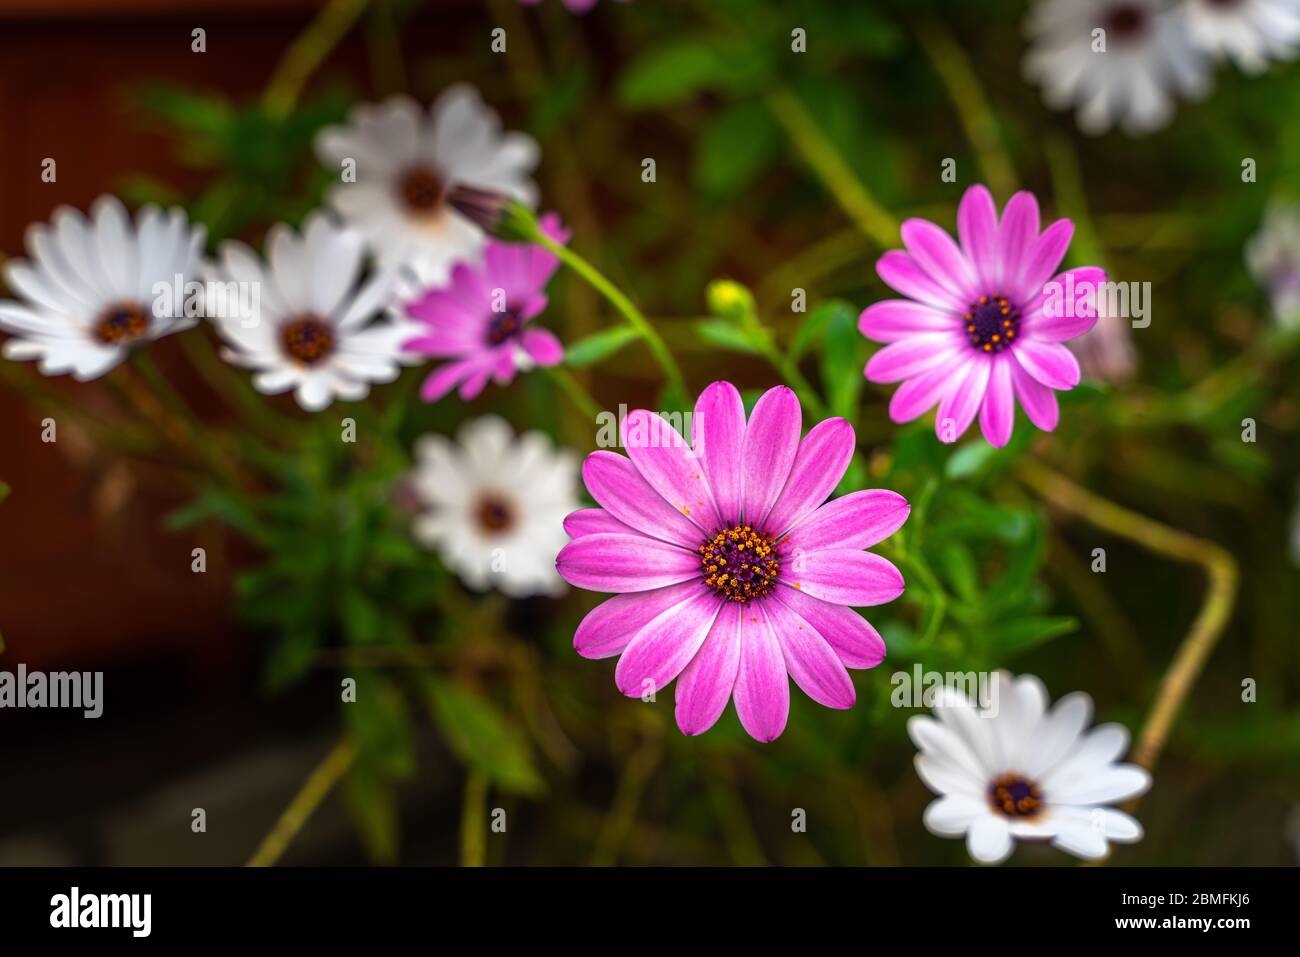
<point x="984" y="322"/>
<point x="480" y="320"/>
<point x="734" y="572"/>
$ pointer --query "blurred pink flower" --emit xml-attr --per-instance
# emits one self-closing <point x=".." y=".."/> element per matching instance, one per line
<point x="573" y="6"/>
<point x="984" y="322"/>
<point x="735" y="577"/>
<point x="480" y="319"/>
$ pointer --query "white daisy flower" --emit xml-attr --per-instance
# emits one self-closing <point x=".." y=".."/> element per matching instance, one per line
<point x="495" y="505"/>
<point x="87" y="293"/>
<point x="310" y="333"/>
<point x="406" y="162"/>
<point x="1249" y="32"/>
<point x="1017" y="772"/>
<point x="1273" y="257"/>
<point x="1147" y="59"/>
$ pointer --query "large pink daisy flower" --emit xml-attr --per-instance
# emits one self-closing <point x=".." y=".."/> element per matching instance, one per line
<point x="480" y="319"/>
<point x="983" y="323"/>
<point x="734" y="573"/>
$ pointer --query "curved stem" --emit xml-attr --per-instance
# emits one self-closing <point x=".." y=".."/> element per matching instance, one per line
<point x="575" y="390"/>
<point x="307" y="53"/>
<point x="832" y="169"/>
<point x="624" y="305"/>
<point x="954" y="69"/>
<point x="1210" y="622"/>
<point x="318" y="784"/>
<point x="473" y="820"/>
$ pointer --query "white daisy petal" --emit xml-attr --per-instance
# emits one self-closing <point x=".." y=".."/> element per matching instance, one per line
<point x="952" y="815"/>
<point x="989" y="839"/>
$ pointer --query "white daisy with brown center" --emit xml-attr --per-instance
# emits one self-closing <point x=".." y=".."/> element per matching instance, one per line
<point x="494" y="505"/>
<point x="87" y="294"/>
<point x="1014" y="771"/>
<point x="1119" y="62"/>
<point x="315" y="331"/>
<point x="405" y="161"/>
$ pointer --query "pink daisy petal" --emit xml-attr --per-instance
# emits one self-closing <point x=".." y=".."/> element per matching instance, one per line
<point x="762" y="691"/>
<point x="912" y="356"/>
<point x="810" y="661"/>
<point x="705" y="685"/>
<point x="904" y="274"/>
<point x="542" y="346"/>
<point x="848" y="633"/>
<point x="1038" y="401"/>
<point x="666" y="644"/>
<point x="1045" y="256"/>
<point x="819" y="464"/>
<point x="443" y="379"/>
<point x="1069" y="319"/>
<point x="1017" y="234"/>
<point x="613" y="623"/>
<point x="768" y="452"/>
<point x="897" y="319"/>
<point x="717" y="436"/>
<point x="1050" y="363"/>
<point x="593" y="521"/>
<point x="618" y="487"/>
<point x="998" y="411"/>
<point x="618" y="563"/>
<point x="941" y="258"/>
<point x="918" y="395"/>
<point x="665" y="461"/>
<point x="977" y="228"/>
<point x="843" y="576"/>
<point x="857" y="520"/>
<point x="962" y="400"/>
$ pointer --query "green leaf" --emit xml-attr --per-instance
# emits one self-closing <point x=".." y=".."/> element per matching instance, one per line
<point x="739" y="143"/>
<point x="678" y="71"/>
<point x="373" y="805"/>
<point x="290" y="659"/>
<point x="842" y="363"/>
<point x="1025" y="633"/>
<point x="378" y="720"/>
<point x="363" y="619"/>
<point x="971" y="459"/>
<point x="4" y="491"/>
<point x="726" y="335"/>
<point x="482" y="738"/>
<point x="599" y="346"/>
<point x="813" y="327"/>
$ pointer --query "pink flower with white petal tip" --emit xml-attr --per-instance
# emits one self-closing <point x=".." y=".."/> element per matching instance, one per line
<point x="984" y="322"/>
<point x="480" y="320"/>
<point x="734" y="572"/>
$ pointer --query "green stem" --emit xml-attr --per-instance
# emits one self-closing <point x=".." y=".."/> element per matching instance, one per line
<point x="575" y="390"/>
<point x="473" y="820"/>
<point x="624" y="305"/>
<point x="307" y="53"/>
<point x="1221" y="571"/>
<point x="954" y="69"/>
<point x="833" y="170"/>
<point x="318" y="784"/>
<point x="177" y="406"/>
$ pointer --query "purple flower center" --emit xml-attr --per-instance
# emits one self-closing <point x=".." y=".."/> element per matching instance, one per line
<point x="1126" y="20"/>
<point x="991" y="323"/>
<point x="307" y="339"/>
<point x="1014" y="795"/>
<point x="740" y="563"/>
<point x="421" y="189"/>
<point x="120" y="323"/>
<point x="494" y="514"/>
<point x="504" y="326"/>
